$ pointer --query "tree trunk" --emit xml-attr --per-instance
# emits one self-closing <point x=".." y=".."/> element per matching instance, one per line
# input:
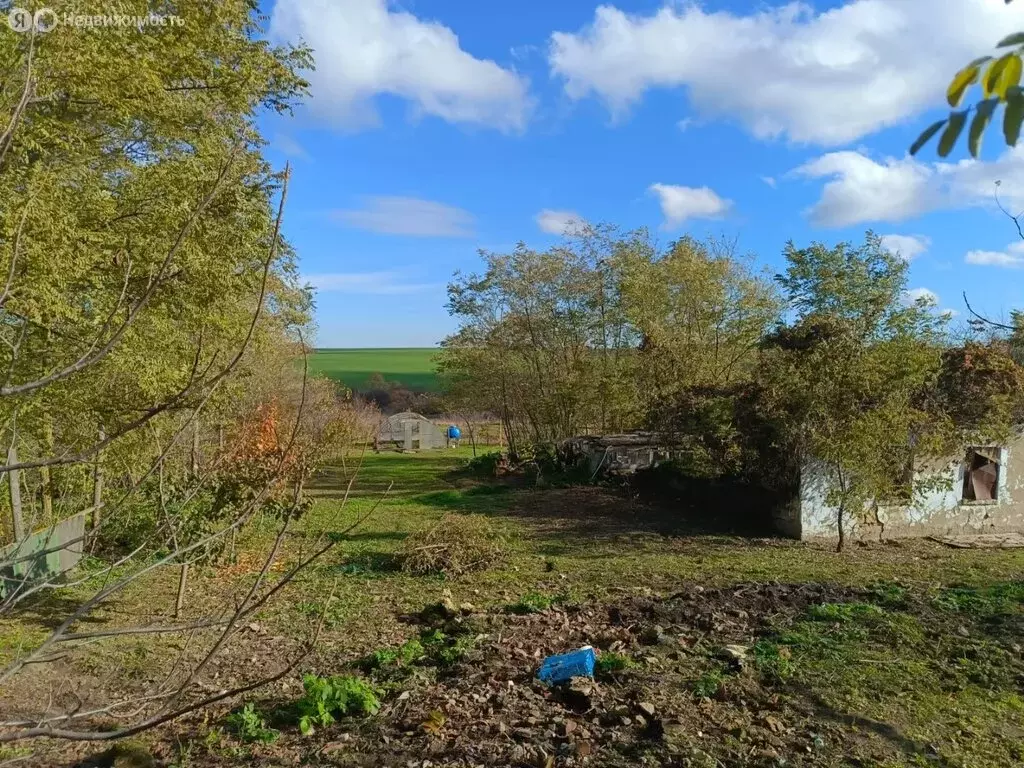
<point x="472" y="440"/>
<point x="14" y="481"/>
<point x="195" y="445"/>
<point x="840" y="529"/>
<point x="44" y="472"/>
<point x="182" y="581"/>
<point x="97" y="486"/>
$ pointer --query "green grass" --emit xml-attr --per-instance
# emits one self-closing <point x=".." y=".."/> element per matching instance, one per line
<point x="897" y="656"/>
<point x="413" y="367"/>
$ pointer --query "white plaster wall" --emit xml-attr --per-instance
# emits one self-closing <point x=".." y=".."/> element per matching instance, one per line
<point x="939" y="511"/>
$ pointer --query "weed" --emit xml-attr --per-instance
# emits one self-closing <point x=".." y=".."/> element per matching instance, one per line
<point x="405" y="654"/>
<point x="772" y="660"/>
<point x="888" y="593"/>
<point x="249" y="726"/>
<point x="446" y="650"/>
<point x="999" y="598"/>
<point x="531" y="602"/>
<point x="845" y="613"/>
<point x="328" y="698"/>
<point x="333" y="613"/>
<point x="709" y="684"/>
<point x="609" y="663"/>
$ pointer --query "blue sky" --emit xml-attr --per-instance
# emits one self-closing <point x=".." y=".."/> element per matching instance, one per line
<point x="438" y="127"/>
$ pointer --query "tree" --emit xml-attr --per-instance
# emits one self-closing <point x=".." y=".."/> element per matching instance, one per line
<point x="145" y="280"/>
<point x="999" y="79"/>
<point x="701" y="313"/>
<point x="543" y="340"/>
<point x="846" y="375"/>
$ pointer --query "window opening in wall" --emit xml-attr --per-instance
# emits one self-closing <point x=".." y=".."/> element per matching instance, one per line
<point x="981" y="474"/>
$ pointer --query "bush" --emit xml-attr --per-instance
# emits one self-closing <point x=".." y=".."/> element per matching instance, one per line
<point x="485" y="464"/>
<point x="457" y="544"/>
<point x="328" y="698"/>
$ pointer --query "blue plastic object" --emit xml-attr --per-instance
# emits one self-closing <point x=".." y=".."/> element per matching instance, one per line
<point x="454" y="433"/>
<point x="558" y="669"/>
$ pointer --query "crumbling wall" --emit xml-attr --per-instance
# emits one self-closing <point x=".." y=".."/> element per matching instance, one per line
<point x="942" y="510"/>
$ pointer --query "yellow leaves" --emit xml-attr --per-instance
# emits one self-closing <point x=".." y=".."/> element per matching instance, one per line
<point x="961" y="82"/>
<point x="434" y="723"/>
<point x="1000" y="82"/>
<point x="1001" y="74"/>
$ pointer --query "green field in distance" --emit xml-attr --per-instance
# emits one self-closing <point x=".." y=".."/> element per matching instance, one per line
<point x="412" y="366"/>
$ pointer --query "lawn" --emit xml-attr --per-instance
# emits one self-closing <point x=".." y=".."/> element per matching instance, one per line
<point x="413" y="367"/>
<point x="714" y="650"/>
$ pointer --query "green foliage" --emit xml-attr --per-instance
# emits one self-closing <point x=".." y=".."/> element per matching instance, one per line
<point x="772" y="660"/>
<point x="486" y="464"/>
<point x="845" y="612"/>
<point x="531" y="602"/>
<point x="849" y="381"/>
<point x="401" y="656"/>
<point x="444" y="649"/>
<point x="609" y="662"/>
<point x="887" y="593"/>
<point x="333" y="613"/>
<point x="328" y="698"/>
<point x="989" y="601"/>
<point x="250" y="726"/>
<point x="710" y="683"/>
<point x="999" y="79"/>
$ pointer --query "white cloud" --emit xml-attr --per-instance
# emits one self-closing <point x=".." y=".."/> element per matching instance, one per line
<point x="364" y="49"/>
<point x="770" y="181"/>
<point x="907" y="246"/>
<point x="825" y="77"/>
<point x="559" y="222"/>
<point x="365" y="283"/>
<point x="290" y="147"/>
<point x="408" y="216"/>
<point x="685" y="123"/>
<point x="1012" y="256"/>
<point x="681" y="203"/>
<point x="861" y="189"/>
<point x="914" y="295"/>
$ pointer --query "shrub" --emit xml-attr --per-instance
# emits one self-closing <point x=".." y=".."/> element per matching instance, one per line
<point x="328" y="698"/>
<point x="485" y="464"/>
<point x="249" y="726"/>
<point x="457" y="544"/>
